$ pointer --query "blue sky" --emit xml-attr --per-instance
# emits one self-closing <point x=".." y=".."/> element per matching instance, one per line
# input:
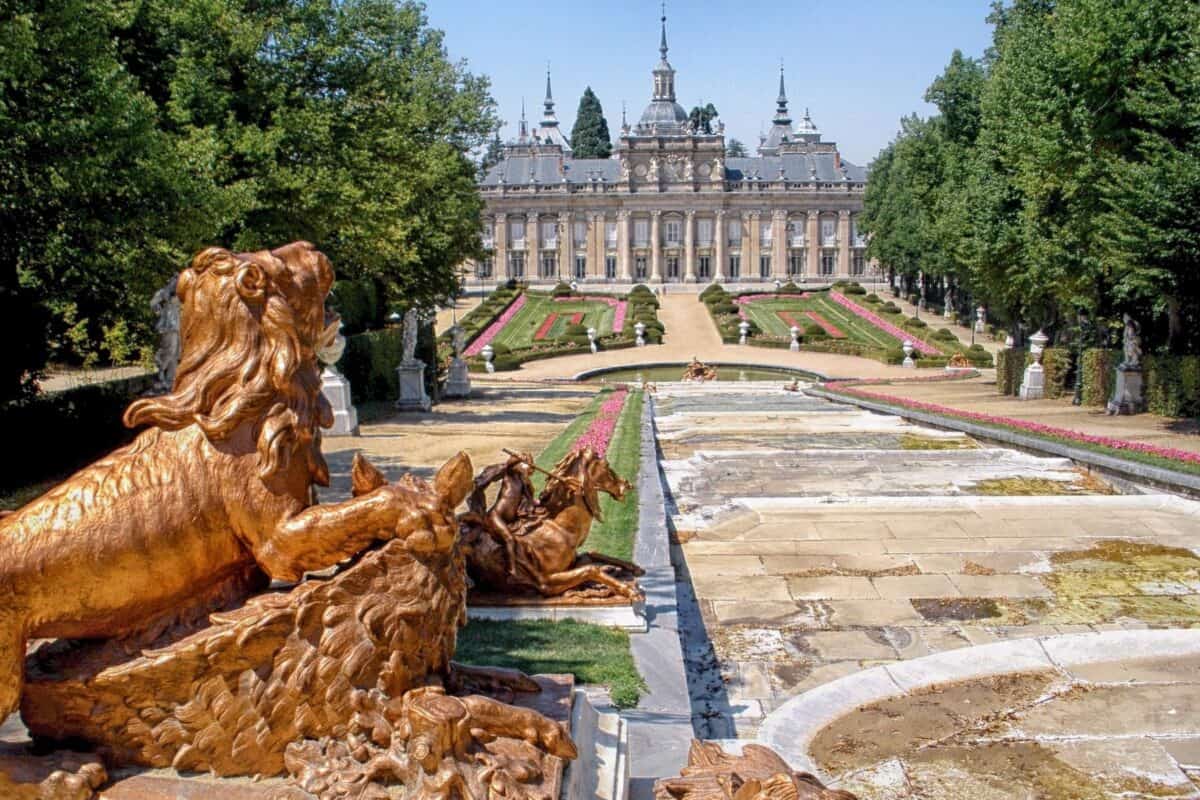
<point x="858" y="65"/>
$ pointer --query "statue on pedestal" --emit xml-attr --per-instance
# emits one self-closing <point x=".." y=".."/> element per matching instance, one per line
<point x="411" y="371"/>
<point x="1127" y="396"/>
<point x="698" y="372"/>
<point x="522" y="546"/>
<point x="151" y="568"/>
<point x="165" y="305"/>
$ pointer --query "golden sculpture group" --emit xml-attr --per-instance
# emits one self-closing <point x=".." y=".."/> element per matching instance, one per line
<point x="151" y="571"/>
<point x="339" y="680"/>
<point x="698" y="372"/>
<point x="522" y="545"/>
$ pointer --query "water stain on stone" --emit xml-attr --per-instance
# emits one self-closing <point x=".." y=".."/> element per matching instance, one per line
<point x="912" y="441"/>
<point x="823" y="572"/>
<point x="959" y="609"/>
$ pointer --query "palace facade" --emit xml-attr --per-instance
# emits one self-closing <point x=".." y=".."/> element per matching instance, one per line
<point x="669" y="206"/>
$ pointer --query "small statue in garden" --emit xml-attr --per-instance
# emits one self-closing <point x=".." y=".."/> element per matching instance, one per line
<point x="518" y="547"/>
<point x="757" y="774"/>
<point x="165" y="305"/>
<point x="1132" y="343"/>
<point x="698" y="372"/>
<point x="412" y="321"/>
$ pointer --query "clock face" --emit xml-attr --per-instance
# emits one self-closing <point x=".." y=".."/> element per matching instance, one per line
<point x="704" y="169"/>
<point x="640" y="170"/>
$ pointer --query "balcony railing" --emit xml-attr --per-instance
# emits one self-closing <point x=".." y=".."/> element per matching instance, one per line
<point x="797" y="241"/>
<point x="550" y="243"/>
<point x="517" y="244"/>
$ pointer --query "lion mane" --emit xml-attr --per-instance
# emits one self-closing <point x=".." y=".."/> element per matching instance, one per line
<point x="249" y="332"/>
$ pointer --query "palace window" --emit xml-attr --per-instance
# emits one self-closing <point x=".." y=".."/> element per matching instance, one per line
<point x="857" y="237"/>
<point x="796" y="264"/>
<point x="610" y="267"/>
<point x="829" y="231"/>
<point x="704" y="266"/>
<point x="735" y="267"/>
<point x="641" y="232"/>
<point x="488" y="238"/>
<point x="858" y="264"/>
<point x="610" y="234"/>
<point x="796" y="232"/>
<point x="580" y="233"/>
<point x="704" y="232"/>
<point x="483" y="269"/>
<point x="828" y="261"/>
<point x="764" y="266"/>
<point x="549" y="234"/>
<point x="516" y="233"/>
<point x="674" y="232"/>
<point x="580" y="266"/>
<point x="639" y="268"/>
<point x="673" y="267"/>
<point x="765" y="233"/>
<point x="516" y="265"/>
<point x="548" y="266"/>
<point x="735" y="233"/>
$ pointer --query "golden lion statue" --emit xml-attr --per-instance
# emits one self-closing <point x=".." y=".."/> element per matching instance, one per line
<point x="194" y="516"/>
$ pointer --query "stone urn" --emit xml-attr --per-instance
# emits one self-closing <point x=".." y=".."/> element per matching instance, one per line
<point x="908" y="351"/>
<point x="744" y="330"/>
<point x="795" y="346"/>
<point x="488" y="354"/>
<point x="1033" y="383"/>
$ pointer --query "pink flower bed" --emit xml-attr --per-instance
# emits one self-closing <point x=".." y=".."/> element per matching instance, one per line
<point x="826" y="326"/>
<point x="788" y="319"/>
<point x="545" y="327"/>
<point x="921" y="347"/>
<point x="600" y="432"/>
<point x="485" y="338"/>
<point x="619" y="307"/>
<point x="746" y="299"/>
<point x="1170" y="453"/>
<point x="577" y="318"/>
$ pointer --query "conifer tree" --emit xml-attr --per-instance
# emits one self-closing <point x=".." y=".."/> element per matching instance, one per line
<point x="589" y="136"/>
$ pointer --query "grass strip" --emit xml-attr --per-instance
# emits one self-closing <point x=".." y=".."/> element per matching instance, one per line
<point x="560" y="444"/>
<point x="614" y="535"/>
<point x="593" y="654"/>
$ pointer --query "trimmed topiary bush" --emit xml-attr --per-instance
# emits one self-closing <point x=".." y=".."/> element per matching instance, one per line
<point x="854" y="288"/>
<point x="945" y="335"/>
<point x="1010" y="364"/>
<point x="575" y="329"/>
<point x="1098" y="375"/>
<point x="1172" y="385"/>
<point x="889" y="308"/>
<point x="814" y="331"/>
<point x="561" y="290"/>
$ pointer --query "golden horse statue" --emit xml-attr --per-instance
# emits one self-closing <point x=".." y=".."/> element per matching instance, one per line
<point x="213" y="499"/>
<point x="534" y="548"/>
<point x="698" y="372"/>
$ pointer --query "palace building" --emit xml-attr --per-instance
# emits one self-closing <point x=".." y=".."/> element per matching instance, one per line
<point x="669" y="206"/>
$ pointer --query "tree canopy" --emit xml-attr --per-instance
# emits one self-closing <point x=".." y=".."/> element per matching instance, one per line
<point x="589" y="136"/>
<point x="734" y="148"/>
<point x="1061" y="172"/>
<point x="132" y="135"/>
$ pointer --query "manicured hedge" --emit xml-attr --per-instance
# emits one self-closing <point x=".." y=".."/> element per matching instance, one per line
<point x="1098" y="376"/>
<point x="371" y="358"/>
<point x="1056" y="365"/>
<point x="1010" y="366"/>
<point x="1172" y="385"/>
<point x="54" y="434"/>
<point x="361" y="305"/>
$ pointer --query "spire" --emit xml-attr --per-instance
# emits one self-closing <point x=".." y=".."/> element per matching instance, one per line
<point x="548" y="103"/>
<point x="781" y="102"/>
<point x="523" y="128"/>
<point x="662" y="47"/>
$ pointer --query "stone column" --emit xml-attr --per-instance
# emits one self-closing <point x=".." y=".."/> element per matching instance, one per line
<point x="624" y="257"/>
<point x="533" y="248"/>
<point x="813" y="238"/>
<point x="595" y="269"/>
<point x="689" y="245"/>
<point x="719" y="234"/>
<point x="566" y="246"/>
<point x="750" y="248"/>
<point x="500" y="249"/>
<point x="779" y="243"/>
<point x="843" y="236"/>
<point x="655" y="247"/>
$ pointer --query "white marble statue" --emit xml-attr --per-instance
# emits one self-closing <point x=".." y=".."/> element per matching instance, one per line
<point x="165" y="305"/>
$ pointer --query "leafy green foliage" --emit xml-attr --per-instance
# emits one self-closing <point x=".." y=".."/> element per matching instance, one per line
<point x="1060" y="173"/>
<point x="134" y="134"/>
<point x="735" y="148"/>
<point x="589" y="136"/>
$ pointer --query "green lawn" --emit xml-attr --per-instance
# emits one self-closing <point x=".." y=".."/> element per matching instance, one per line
<point x="521" y="329"/>
<point x="765" y="314"/>
<point x="614" y="536"/>
<point x="593" y="654"/>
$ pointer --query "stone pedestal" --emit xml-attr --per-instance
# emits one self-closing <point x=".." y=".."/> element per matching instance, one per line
<point x="1033" y="384"/>
<point x="336" y="389"/>
<point x="1127" y="397"/>
<point x="458" y="382"/>
<point x="412" y="387"/>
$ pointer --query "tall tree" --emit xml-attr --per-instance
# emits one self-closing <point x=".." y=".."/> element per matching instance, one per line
<point x="701" y="118"/>
<point x="589" y="136"/>
<point x="493" y="154"/>
<point x="734" y="148"/>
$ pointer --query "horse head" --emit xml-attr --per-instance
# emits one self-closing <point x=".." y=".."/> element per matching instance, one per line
<point x="583" y="475"/>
